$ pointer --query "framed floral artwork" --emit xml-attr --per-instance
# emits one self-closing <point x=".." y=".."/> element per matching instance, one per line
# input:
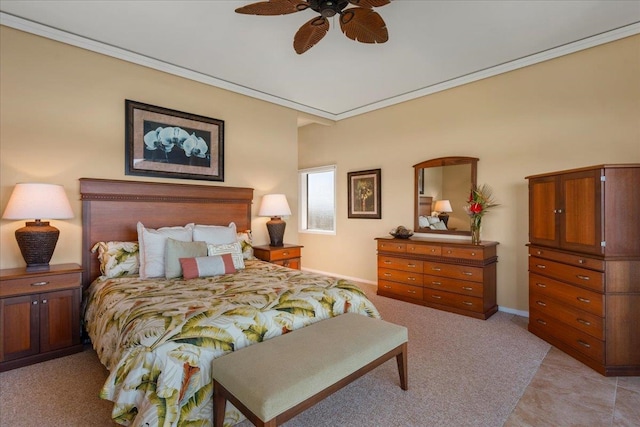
<point x="172" y="144"/>
<point x="365" y="197"/>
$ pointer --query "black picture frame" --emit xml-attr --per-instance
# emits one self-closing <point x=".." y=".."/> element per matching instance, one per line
<point x="161" y="142"/>
<point x="365" y="195"/>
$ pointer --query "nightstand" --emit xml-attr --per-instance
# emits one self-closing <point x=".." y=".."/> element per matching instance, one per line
<point x="39" y="314"/>
<point x="286" y="256"/>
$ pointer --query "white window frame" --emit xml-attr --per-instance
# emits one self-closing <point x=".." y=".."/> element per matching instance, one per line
<point x="302" y="193"/>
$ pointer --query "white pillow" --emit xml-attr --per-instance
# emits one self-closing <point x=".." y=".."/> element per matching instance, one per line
<point x="152" y="244"/>
<point x="423" y="221"/>
<point x="215" y="234"/>
<point x="433" y="219"/>
<point x="438" y="226"/>
<point x="235" y="249"/>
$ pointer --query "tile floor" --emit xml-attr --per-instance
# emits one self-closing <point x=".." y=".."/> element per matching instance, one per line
<point x="565" y="392"/>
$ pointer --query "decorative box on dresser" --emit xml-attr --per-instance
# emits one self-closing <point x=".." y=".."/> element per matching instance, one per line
<point x="39" y="314"/>
<point x="584" y="264"/>
<point x="286" y="255"/>
<point x="450" y="275"/>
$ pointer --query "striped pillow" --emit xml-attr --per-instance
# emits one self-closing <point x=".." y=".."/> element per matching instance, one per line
<point x="206" y="266"/>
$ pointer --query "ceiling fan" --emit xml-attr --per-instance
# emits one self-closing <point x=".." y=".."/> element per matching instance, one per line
<point x="358" y="20"/>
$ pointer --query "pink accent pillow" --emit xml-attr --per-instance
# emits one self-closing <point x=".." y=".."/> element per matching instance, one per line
<point x="206" y="266"/>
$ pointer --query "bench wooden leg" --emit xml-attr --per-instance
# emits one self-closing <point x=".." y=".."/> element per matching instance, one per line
<point x="402" y="367"/>
<point x="219" y="404"/>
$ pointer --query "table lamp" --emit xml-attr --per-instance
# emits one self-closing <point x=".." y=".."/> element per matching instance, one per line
<point x="443" y="207"/>
<point x="275" y="206"/>
<point x="37" y="240"/>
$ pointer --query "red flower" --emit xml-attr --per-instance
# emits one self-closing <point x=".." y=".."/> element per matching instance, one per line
<point x="475" y="208"/>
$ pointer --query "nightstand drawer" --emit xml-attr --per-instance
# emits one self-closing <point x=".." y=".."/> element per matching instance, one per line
<point x="286" y="253"/>
<point x="40" y="283"/>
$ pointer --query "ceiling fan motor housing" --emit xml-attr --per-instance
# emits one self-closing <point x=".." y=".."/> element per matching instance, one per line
<point x="328" y="8"/>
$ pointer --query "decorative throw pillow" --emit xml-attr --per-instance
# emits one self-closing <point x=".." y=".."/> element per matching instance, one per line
<point x="438" y="226"/>
<point x="215" y="234"/>
<point x="231" y="248"/>
<point x="152" y="244"/>
<point x="207" y="266"/>
<point x="246" y="243"/>
<point x="117" y="258"/>
<point x="175" y="250"/>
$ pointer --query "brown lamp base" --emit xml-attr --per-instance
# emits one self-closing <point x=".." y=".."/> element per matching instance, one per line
<point x="37" y="241"/>
<point x="275" y="227"/>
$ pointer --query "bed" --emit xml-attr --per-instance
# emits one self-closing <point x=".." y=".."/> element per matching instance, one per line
<point x="158" y="336"/>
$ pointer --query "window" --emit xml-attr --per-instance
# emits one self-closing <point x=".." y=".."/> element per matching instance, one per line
<point x="318" y="200"/>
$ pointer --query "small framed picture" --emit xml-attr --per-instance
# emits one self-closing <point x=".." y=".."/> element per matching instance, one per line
<point x="365" y="198"/>
<point x="172" y="144"/>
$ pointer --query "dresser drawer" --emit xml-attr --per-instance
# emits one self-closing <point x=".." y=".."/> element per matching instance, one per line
<point x="38" y="284"/>
<point x="451" y="285"/>
<point x="578" y="340"/>
<point x="400" y="289"/>
<point x="400" y="276"/>
<point x="453" y="300"/>
<point x="463" y="272"/>
<point x="465" y="253"/>
<point x="392" y="246"/>
<point x="575" y="275"/>
<point x="433" y="250"/>
<point x="579" y="319"/>
<point x="573" y="296"/>
<point x="411" y="265"/>
<point x="572" y="259"/>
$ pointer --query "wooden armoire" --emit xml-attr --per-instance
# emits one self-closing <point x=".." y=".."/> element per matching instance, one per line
<point x="584" y="264"/>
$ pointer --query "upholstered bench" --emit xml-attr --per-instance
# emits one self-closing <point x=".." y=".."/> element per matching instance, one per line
<point x="275" y="380"/>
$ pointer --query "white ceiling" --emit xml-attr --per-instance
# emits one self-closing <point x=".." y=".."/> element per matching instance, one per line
<point x="433" y="45"/>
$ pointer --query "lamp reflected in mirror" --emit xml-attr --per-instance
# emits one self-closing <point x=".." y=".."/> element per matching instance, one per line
<point x="442" y="209"/>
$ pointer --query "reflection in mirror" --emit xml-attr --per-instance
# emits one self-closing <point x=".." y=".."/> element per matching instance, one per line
<point x="442" y="189"/>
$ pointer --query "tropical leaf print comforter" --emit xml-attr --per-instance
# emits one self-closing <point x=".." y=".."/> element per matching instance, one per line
<point x="157" y="338"/>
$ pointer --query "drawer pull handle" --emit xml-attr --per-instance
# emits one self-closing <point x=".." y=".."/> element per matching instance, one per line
<point x="436" y="296"/>
<point x="542" y="266"/>
<point x="387" y="274"/>
<point x="44" y="301"/>
<point x="581" y="261"/>
<point x="538" y="252"/>
<point x="580" y="276"/>
<point x="448" y="252"/>
<point x="473" y="254"/>
<point x="285" y="253"/>
<point x="467" y="303"/>
<point x="542" y="322"/>
<point x="433" y="250"/>
<point x="413" y="279"/>
<point x="34" y="302"/>
<point x="411" y="265"/>
<point x="411" y="292"/>
<point x="398" y="247"/>
<point x="584" y="344"/>
<point x="387" y="261"/>
<point x="541" y="285"/>
<point x="436" y="268"/>
<point x="541" y="303"/>
<point x="39" y="283"/>
<point x="585" y="300"/>
<point x="584" y="322"/>
<point x="437" y="283"/>
<point x="467" y="273"/>
<point x="387" y="287"/>
<point x="467" y="288"/>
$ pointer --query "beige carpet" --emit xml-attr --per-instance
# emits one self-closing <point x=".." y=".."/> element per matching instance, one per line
<point x="462" y="372"/>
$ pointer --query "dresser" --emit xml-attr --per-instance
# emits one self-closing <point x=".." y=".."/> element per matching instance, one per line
<point x="39" y="314"/>
<point x="450" y="275"/>
<point x="584" y="264"/>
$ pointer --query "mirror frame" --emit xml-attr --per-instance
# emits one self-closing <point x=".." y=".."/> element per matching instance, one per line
<point x="441" y="161"/>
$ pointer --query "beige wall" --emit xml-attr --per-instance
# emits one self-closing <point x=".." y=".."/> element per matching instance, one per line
<point x="574" y="111"/>
<point x="62" y="118"/>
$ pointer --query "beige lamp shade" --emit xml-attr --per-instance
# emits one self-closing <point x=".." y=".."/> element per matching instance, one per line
<point x="37" y="240"/>
<point x="442" y="206"/>
<point x="275" y="206"/>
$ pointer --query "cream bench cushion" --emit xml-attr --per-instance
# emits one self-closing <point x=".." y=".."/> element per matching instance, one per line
<point x="273" y="377"/>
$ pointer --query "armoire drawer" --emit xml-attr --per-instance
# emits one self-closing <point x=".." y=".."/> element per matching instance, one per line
<point x="412" y="265"/>
<point x="579" y="319"/>
<point x="400" y="289"/>
<point x="566" y="294"/>
<point x="453" y="300"/>
<point x="580" y="341"/>
<point x="400" y="276"/>
<point x="577" y="260"/>
<point x="579" y="276"/>
<point x="451" y="285"/>
<point x="462" y="272"/>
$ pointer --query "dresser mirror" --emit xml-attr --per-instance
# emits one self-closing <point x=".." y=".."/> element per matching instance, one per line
<point x="441" y="191"/>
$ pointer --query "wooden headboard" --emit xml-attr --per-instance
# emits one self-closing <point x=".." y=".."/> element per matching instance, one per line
<point x="111" y="209"/>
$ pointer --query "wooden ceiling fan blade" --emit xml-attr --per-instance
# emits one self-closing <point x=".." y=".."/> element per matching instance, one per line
<point x="363" y="25"/>
<point x="310" y="34"/>
<point x="369" y="3"/>
<point x="273" y="7"/>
